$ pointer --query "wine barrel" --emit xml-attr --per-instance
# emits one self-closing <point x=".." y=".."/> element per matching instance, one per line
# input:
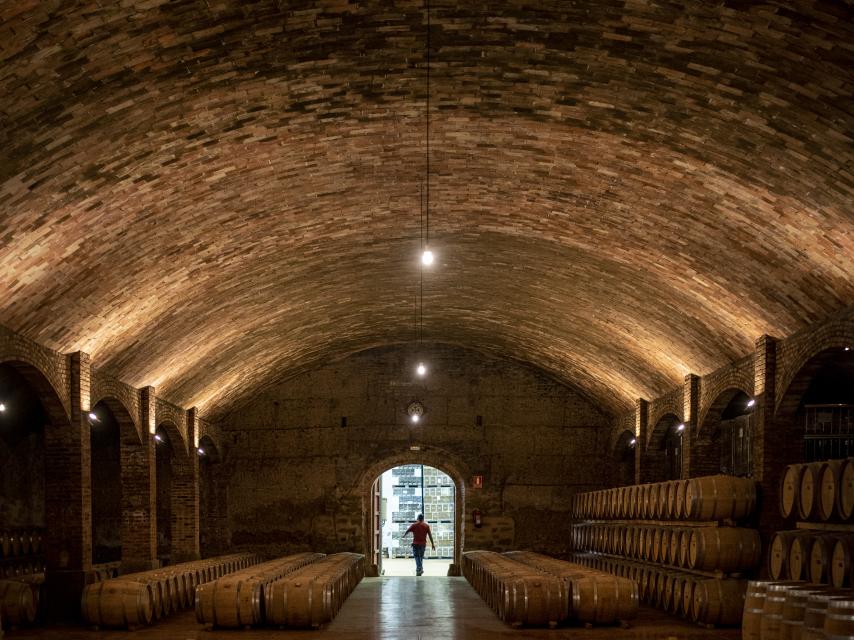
<point x="842" y="562"/>
<point x="830" y="483"/>
<point x="726" y="549"/>
<point x="675" y="542"/>
<point x="17" y="606"/>
<point x="719" y="497"/>
<point x="655" y="548"/>
<point x="772" y="610"/>
<point x="651" y="504"/>
<point x="754" y="604"/>
<point x="718" y="602"/>
<point x="845" y="507"/>
<point x="602" y="599"/>
<point x="662" y="507"/>
<point x="680" y="512"/>
<point x="839" y="619"/>
<point x="117" y="603"/>
<point x="815" y="614"/>
<point x="790" y="489"/>
<point x="799" y="556"/>
<point x="688" y="595"/>
<point x="794" y="607"/>
<point x="808" y="496"/>
<point x="664" y="552"/>
<point x="821" y="558"/>
<point x="778" y="561"/>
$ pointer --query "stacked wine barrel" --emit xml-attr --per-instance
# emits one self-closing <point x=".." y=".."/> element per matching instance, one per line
<point x="820" y="495"/>
<point x="313" y="595"/>
<point x="20" y="552"/>
<point x="519" y="594"/>
<point x="795" y="609"/>
<point x="678" y="540"/>
<point x="595" y="597"/>
<point x="237" y="600"/>
<point x="137" y="599"/>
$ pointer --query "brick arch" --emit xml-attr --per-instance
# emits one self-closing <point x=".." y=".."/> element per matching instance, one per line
<point x="429" y="456"/>
<point x="672" y="407"/>
<point x="655" y="441"/>
<point x="122" y="399"/>
<point x="176" y="419"/>
<point x="712" y="414"/>
<point x="796" y="356"/>
<point x="129" y="425"/>
<point x="714" y="385"/>
<point x="180" y="452"/>
<point x="44" y="380"/>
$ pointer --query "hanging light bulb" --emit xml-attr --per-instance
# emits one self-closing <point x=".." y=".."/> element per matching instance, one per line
<point x="421" y="369"/>
<point x="427" y="258"/>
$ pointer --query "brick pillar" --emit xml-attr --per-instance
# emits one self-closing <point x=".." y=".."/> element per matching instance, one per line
<point x="690" y="407"/>
<point x="770" y="453"/>
<point x="185" y="495"/>
<point x="641" y="435"/>
<point x="68" y="497"/>
<point x="139" y="493"/>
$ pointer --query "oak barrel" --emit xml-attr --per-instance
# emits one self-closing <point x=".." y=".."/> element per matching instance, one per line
<point x="790" y="488"/>
<point x="842" y="562"/>
<point x="680" y="511"/>
<point x="821" y="558"/>
<point x="718" y="602"/>
<point x="846" y="490"/>
<point x="772" y="611"/>
<point x="839" y="619"/>
<point x="793" y="610"/>
<point x="778" y="560"/>
<point x="754" y="603"/>
<point x="815" y="614"/>
<point x="727" y="549"/>
<point x="719" y="497"/>
<point x="117" y="603"/>
<point x="17" y="606"/>
<point x="830" y="483"/>
<point x="808" y="497"/>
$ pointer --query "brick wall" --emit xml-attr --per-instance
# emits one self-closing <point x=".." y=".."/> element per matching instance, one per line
<point x="296" y="474"/>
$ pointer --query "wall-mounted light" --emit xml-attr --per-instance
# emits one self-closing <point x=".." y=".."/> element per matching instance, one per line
<point x="751" y="402"/>
<point x="847" y="349"/>
<point x="158" y="437"/>
<point x="93" y="417"/>
<point x="415" y="447"/>
<point x="633" y="442"/>
<point x="680" y="426"/>
<point x="421" y="369"/>
<point x="200" y="451"/>
<point x="427" y="258"/>
<point x="2" y="407"/>
<point x="415" y="417"/>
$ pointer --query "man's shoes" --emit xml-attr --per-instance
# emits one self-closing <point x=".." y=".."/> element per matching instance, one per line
<point x="418" y="573"/>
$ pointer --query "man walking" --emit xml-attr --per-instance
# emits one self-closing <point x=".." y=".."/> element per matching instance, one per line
<point x="420" y="532"/>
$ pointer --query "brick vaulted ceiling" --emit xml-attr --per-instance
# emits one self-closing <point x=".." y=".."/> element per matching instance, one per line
<point x="207" y="196"/>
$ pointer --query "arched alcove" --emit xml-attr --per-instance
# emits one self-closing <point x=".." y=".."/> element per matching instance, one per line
<point x="724" y="440"/>
<point x="213" y="500"/>
<point x="623" y="459"/>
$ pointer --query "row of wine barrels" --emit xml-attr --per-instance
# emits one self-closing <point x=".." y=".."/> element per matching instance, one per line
<point x="23" y="566"/>
<point x="726" y="549"/>
<point x="237" y="600"/>
<point x="794" y="609"/>
<point x="822" y="557"/>
<point x="716" y="601"/>
<point x="708" y="498"/>
<point x="17" y="604"/>
<point x="15" y="543"/>
<point x="313" y="595"/>
<point x="818" y="491"/>
<point x="518" y="593"/>
<point x="137" y="599"/>
<point x="595" y="597"/>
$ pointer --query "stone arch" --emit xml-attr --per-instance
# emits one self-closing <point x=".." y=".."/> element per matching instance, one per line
<point x="714" y="386"/>
<point x="434" y="457"/>
<point x="54" y="401"/>
<point x="710" y="444"/>
<point x="711" y="417"/>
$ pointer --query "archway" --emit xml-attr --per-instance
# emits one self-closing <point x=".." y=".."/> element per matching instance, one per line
<point x="724" y="441"/>
<point x="106" y="481"/>
<point x="368" y="487"/>
<point x="623" y="458"/>
<point x="213" y="500"/>
<point x="406" y="491"/>
<point x="662" y="458"/>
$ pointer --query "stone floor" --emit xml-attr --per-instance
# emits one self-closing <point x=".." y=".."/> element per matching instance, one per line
<point x="402" y="608"/>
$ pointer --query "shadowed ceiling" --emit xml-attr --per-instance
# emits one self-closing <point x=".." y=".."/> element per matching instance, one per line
<point x="209" y="196"/>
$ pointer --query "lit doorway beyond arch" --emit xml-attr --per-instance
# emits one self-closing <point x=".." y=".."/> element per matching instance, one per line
<point x="402" y="493"/>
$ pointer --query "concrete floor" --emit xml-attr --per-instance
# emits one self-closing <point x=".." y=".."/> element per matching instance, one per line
<point x="406" y="567"/>
<point x="424" y="608"/>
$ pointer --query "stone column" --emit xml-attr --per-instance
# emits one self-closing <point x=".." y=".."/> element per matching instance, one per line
<point x="185" y="496"/>
<point x="641" y="435"/>
<point x="690" y="407"/>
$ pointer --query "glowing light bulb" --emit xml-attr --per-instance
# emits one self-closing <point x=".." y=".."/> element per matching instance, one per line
<point x="415" y="417"/>
<point x="200" y="451"/>
<point x="681" y="427"/>
<point x="2" y="407"/>
<point x="93" y="416"/>
<point x="158" y="437"/>
<point x="633" y="442"/>
<point x="751" y="402"/>
<point x="421" y="369"/>
<point x="427" y="258"/>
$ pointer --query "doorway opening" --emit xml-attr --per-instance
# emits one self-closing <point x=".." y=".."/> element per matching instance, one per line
<point x="401" y="493"/>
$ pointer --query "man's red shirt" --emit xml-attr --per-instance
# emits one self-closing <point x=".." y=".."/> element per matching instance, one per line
<point x="419" y="532"/>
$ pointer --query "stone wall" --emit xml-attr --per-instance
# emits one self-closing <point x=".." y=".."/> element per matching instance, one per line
<point x="300" y="449"/>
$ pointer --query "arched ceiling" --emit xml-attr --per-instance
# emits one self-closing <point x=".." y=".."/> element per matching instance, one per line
<point x="209" y="195"/>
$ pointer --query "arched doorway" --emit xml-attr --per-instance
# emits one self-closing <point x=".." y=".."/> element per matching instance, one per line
<point x="406" y="491"/>
<point x="624" y="459"/>
<point x="105" y="443"/>
<point x="369" y="488"/>
<point x="164" y="452"/>
<point x="724" y="442"/>
<point x="663" y="454"/>
<point x="213" y="500"/>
